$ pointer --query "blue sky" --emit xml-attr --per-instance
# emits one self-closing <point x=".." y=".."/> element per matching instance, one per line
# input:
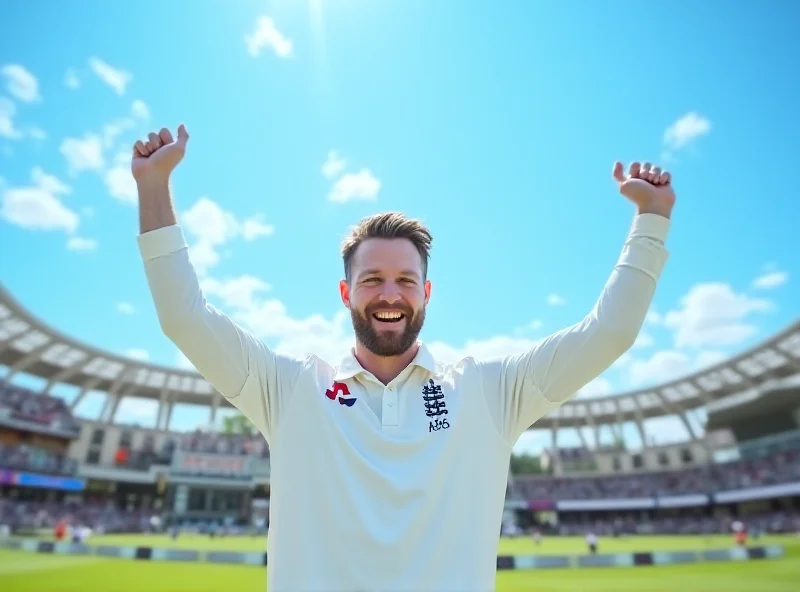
<point x="497" y="125"/>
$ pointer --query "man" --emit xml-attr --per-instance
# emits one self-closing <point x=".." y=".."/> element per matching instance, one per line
<point x="389" y="469"/>
<point x="591" y="542"/>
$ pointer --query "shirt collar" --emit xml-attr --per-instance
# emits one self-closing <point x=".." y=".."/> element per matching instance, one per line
<point x="349" y="366"/>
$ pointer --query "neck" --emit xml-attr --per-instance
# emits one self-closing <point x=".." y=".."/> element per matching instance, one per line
<point x="385" y="369"/>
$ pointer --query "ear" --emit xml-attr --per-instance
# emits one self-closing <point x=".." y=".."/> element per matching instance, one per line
<point x="344" y="292"/>
<point x="427" y="291"/>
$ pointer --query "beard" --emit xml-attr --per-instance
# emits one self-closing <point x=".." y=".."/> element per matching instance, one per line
<point x="387" y="343"/>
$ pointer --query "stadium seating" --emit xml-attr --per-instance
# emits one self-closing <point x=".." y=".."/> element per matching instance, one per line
<point x="780" y="467"/>
<point x="25" y="406"/>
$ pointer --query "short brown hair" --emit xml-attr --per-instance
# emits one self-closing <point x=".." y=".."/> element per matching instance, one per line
<point x="388" y="225"/>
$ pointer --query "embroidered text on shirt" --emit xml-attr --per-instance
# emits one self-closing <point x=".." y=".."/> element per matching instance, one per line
<point x="434" y="406"/>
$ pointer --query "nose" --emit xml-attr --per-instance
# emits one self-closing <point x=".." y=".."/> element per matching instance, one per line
<point x="390" y="292"/>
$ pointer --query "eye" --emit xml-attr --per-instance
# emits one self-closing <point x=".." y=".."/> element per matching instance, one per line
<point x="407" y="281"/>
<point x="372" y="280"/>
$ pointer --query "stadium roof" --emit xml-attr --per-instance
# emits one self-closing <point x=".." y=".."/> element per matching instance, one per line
<point x="28" y="344"/>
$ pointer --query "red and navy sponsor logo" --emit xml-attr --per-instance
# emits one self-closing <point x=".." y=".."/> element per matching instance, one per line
<point x="340" y="391"/>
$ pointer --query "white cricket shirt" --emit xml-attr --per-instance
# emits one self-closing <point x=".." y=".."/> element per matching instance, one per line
<point x="398" y="487"/>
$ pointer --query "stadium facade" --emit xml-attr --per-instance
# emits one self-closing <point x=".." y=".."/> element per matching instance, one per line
<point x="49" y="456"/>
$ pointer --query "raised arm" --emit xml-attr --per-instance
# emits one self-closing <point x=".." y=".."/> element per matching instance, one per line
<point x="520" y="389"/>
<point x="239" y="366"/>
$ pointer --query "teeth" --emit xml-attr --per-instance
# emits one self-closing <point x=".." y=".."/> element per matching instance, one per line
<point x="389" y="316"/>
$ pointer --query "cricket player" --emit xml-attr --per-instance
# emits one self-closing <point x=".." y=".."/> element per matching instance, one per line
<point x="389" y="467"/>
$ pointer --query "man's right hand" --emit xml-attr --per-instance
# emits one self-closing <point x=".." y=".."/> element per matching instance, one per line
<point x="156" y="158"/>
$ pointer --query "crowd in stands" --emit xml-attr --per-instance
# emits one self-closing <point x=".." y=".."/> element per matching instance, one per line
<point x="782" y="467"/>
<point x="140" y="459"/>
<point x="217" y="443"/>
<point x="24" y="405"/>
<point x="767" y="522"/>
<point x="100" y="517"/>
<point x="22" y="457"/>
<point x="201" y="442"/>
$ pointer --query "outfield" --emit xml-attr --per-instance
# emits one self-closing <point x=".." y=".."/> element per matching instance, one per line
<point x="30" y="572"/>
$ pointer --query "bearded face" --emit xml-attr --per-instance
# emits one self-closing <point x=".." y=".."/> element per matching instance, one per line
<point x="387" y="294"/>
<point x="388" y="330"/>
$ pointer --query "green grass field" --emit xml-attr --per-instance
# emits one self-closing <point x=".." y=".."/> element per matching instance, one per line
<point x="30" y="572"/>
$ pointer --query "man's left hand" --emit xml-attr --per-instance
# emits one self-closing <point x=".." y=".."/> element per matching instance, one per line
<point x="647" y="186"/>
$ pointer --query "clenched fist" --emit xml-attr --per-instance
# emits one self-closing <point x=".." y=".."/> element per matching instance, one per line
<point x="647" y="186"/>
<point x="156" y="158"/>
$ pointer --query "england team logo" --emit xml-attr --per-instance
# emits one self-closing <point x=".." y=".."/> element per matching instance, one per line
<point x="435" y="406"/>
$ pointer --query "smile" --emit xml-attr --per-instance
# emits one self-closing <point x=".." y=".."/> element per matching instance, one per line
<point x="389" y="317"/>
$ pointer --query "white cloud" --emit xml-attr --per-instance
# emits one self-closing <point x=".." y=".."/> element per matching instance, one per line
<point x="92" y="151"/>
<point x="125" y="308"/>
<point x="116" y="78"/>
<point x="139" y="354"/>
<point x="209" y="222"/>
<point x="333" y="165"/>
<point x="140" y="110"/>
<point x="9" y="129"/>
<point x="653" y="318"/>
<point x="711" y="318"/>
<point x="71" y="79"/>
<point x="83" y="154"/>
<point x="661" y="366"/>
<point x="37" y="133"/>
<point x="212" y="227"/>
<point x="89" y="154"/>
<point x="770" y="280"/>
<point x="239" y="292"/>
<point x="111" y="131"/>
<point x="685" y="130"/>
<point x="555" y="300"/>
<point x="7" y="113"/>
<point x="488" y="348"/>
<point x="20" y="83"/>
<point x="49" y="182"/>
<point x="204" y="256"/>
<point x="668" y="365"/>
<point x="623" y="361"/>
<point x="267" y="35"/>
<point x="355" y="186"/>
<point x="38" y="206"/>
<point x="599" y="387"/>
<point x="713" y="315"/>
<point x="119" y="180"/>
<point x="644" y="340"/>
<point x="77" y="243"/>
<point x="254" y="227"/>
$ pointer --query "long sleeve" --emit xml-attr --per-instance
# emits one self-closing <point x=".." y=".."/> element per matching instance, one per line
<point x="254" y="379"/>
<point x="522" y="388"/>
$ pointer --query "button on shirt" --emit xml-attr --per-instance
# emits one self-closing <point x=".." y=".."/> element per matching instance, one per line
<point x="394" y="487"/>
